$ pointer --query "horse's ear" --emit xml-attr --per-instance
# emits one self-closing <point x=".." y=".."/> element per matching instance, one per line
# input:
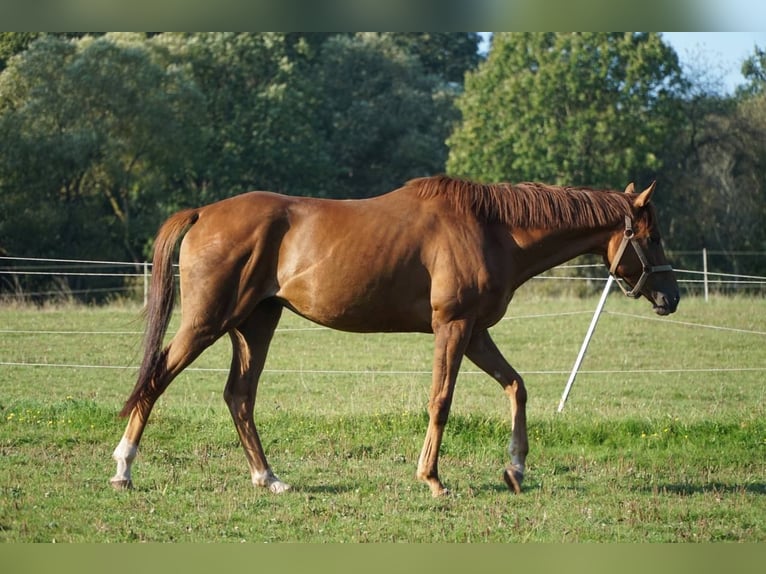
<point x="629" y="188"/>
<point x="643" y="199"/>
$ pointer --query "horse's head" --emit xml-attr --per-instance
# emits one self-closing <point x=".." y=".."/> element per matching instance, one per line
<point x="635" y="256"/>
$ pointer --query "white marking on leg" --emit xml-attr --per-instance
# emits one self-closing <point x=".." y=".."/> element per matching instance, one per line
<point x="269" y="480"/>
<point x="124" y="454"/>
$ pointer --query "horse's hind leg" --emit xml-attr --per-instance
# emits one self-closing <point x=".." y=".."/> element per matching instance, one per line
<point x="186" y="346"/>
<point x="250" y="343"/>
<point x="485" y="355"/>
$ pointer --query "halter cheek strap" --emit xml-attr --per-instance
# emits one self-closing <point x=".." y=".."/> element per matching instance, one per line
<point x="628" y="238"/>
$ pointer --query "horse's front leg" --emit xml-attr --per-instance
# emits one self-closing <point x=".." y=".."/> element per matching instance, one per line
<point x="450" y="340"/>
<point x="485" y="355"/>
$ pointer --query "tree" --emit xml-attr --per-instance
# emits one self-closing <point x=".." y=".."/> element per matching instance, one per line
<point x="12" y="43"/>
<point x="447" y="55"/>
<point x="93" y="131"/>
<point x="754" y="71"/>
<point x="341" y="115"/>
<point x="384" y="119"/>
<point x="101" y="136"/>
<point x="568" y="108"/>
<point x="716" y="170"/>
<point x="260" y="114"/>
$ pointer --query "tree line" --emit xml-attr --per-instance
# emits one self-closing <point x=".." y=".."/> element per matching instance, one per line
<point x="104" y="135"/>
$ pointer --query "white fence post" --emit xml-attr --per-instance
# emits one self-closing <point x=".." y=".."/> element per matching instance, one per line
<point x="146" y="282"/>
<point x="586" y="341"/>
<point x="704" y="271"/>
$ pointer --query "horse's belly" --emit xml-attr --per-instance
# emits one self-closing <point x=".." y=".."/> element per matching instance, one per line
<point x="357" y="309"/>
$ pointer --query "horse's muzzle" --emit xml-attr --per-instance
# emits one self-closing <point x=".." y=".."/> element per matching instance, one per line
<point x="664" y="303"/>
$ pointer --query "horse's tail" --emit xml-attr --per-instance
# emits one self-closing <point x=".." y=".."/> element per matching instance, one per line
<point x="159" y="305"/>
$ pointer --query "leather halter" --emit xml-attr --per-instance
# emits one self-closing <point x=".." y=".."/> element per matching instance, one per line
<point x="629" y="239"/>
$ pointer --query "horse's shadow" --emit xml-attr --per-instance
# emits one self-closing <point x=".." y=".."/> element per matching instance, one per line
<point x="673" y="489"/>
<point x="316" y="489"/>
<point x="709" y="488"/>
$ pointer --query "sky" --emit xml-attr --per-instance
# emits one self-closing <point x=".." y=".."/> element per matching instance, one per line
<point x="720" y="53"/>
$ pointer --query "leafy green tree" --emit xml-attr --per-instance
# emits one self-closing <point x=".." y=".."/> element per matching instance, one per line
<point x="101" y="136"/>
<point x="92" y="132"/>
<point x="568" y="108"/>
<point x="447" y="55"/>
<point x="754" y="71"/>
<point x="384" y="120"/>
<point x="260" y="113"/>
<point x="342" y="115"/>
<point x="12" y="43"/>
<point x="714" y="172"/>
<point x="717" y="174"/>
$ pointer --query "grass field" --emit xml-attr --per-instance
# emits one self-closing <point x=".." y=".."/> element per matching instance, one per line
<point x="663" y="437"/>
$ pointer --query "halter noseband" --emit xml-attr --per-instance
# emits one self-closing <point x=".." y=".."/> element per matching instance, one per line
<point x="629" y="238"/>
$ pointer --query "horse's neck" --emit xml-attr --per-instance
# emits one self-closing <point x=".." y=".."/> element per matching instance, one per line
<point x="540" y="250"/>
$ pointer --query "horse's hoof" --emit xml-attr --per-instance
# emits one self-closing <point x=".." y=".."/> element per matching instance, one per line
<point x="278" y="487"/>
<point x="121" y="484"/>
<point x="441" y="492"/>
<point x="513" y="478"/>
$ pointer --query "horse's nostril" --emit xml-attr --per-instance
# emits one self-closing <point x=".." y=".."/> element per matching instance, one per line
<point x="665" y="302"/>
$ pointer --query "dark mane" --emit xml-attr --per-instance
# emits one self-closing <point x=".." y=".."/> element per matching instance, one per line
<point x="527" y="205"/>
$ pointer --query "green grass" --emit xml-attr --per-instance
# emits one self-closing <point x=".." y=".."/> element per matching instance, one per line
<point x="653" y="445"/>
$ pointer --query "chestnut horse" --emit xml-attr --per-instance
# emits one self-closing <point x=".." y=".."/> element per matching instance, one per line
<point x="439" y="255"/>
